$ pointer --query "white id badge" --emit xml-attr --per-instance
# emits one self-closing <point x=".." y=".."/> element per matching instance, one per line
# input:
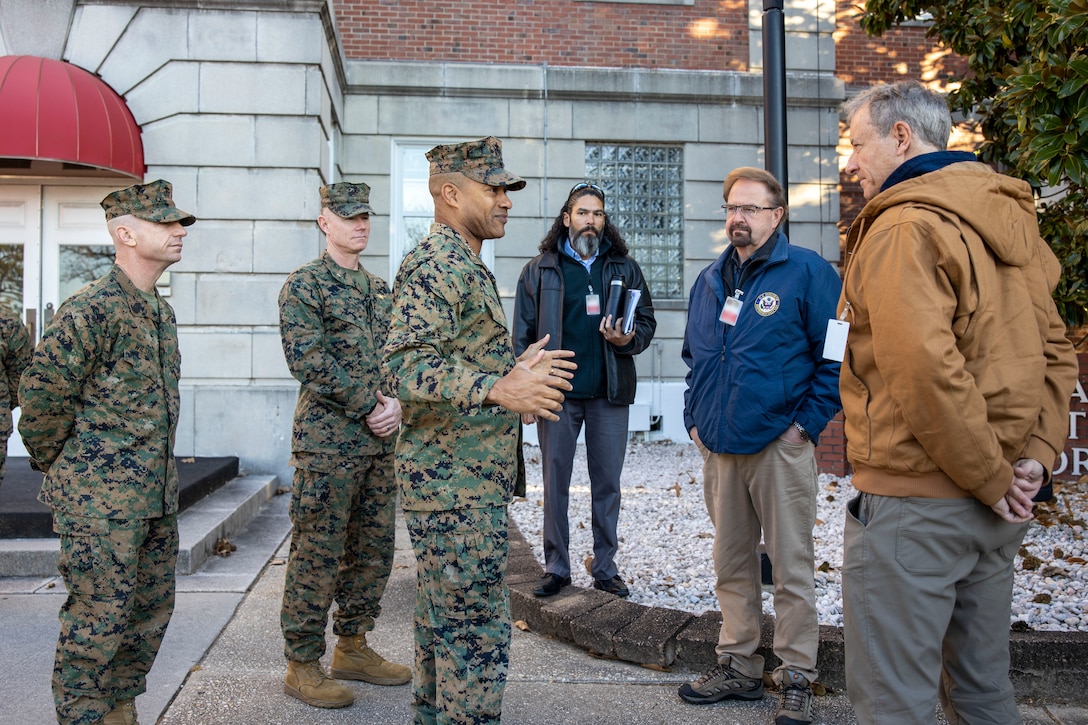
<point x="835" y="340"/>
<point x="593" y="304"/>
<point x="730" y="311"/>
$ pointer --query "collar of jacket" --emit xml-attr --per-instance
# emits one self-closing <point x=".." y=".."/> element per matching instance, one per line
<point x="780" y="253"/>
<point x="342" y="275"/>
<point x="133" y="294"/>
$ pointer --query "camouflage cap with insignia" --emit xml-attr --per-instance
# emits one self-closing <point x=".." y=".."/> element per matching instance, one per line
<point x="479" y="160"/>
<point x="346" y="199"/>
<point x="152" y="201"/>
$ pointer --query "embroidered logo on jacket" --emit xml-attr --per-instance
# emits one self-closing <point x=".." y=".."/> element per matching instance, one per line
<point x="767" y="304"/>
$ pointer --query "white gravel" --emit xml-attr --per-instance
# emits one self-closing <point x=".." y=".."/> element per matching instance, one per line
<point x="666" y="537"/>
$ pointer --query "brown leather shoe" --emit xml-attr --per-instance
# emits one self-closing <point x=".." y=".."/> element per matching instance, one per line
<point x="308" y="682"/>
<point x="354" y="660"/>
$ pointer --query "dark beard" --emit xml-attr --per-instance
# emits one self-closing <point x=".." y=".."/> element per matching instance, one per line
<point x="586" y="244"/>
<point x="745" y="238"/>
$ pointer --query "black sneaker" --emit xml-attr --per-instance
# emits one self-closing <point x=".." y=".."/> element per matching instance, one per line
<point x="722" y="682"/>
<point x="796" y="705"/>
<point x="614" y="585"/>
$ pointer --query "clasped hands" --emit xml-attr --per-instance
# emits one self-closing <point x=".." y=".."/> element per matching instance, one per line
<point x="384" y="420"/>
<point x="535" y="386"/>
<point x="1015" y="506"/>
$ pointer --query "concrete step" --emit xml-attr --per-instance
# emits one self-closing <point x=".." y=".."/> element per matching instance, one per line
<point x="220" y="515"/>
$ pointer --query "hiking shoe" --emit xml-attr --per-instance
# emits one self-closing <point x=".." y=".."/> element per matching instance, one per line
<point x="796" y="705"/>
<point x="352" y="659"/>
<point x="721" y="682"/>
<point x="308" y="682"/>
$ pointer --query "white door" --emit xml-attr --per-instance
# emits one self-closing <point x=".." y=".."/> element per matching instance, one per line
<point x="53" y="241"/>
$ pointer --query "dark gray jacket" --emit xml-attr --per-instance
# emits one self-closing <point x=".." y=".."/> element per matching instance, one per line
<point x="538" y="310"/>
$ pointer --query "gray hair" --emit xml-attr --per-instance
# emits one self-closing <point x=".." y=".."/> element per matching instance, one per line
<point x="924" y="110"/>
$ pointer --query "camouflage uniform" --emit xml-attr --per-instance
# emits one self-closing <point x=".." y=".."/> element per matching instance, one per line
<point x="15" y="352"/>
<point x="100" y="410"/>
<point x="456" y="462"/>
<point x="333" y="323"/>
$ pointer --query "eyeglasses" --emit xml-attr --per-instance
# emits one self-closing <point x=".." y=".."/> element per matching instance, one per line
<point x="586" y="185"/>
<point x="746" y="209"/>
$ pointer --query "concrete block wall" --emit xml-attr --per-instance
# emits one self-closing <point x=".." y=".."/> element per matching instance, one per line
<point x="236" y="109"/>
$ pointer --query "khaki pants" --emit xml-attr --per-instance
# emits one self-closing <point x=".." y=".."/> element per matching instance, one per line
<point x="773" y="491"/>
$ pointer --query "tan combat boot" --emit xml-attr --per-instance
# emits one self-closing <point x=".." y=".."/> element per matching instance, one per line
<point x="123" y="713"/>
<point x="354" y="660"/>
<point x="308" y="682"/>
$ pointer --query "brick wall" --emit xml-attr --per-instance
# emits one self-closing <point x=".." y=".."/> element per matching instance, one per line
<point x="708" y="35"/>
<point x="831" y="453"/>
<point x="861" y="61"/>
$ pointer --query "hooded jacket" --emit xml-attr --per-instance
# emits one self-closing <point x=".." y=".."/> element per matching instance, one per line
<point x="538" y="310"/>
<point x="957" y="363"/>
<point x="750" y="382"/>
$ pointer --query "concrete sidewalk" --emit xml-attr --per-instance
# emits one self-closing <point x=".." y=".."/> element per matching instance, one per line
<point x="222" y="661"/>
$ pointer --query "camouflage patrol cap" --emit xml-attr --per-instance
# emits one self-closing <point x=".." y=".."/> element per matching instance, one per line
<point x="151" y="201"/>
<point x="478" y="160"/>
<point x="346" y="199"/>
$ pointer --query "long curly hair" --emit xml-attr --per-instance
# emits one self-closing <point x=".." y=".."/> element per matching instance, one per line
<point x="553" y="240"/>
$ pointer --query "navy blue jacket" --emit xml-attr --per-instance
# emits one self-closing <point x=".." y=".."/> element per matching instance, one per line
<point x="747" y="384"/>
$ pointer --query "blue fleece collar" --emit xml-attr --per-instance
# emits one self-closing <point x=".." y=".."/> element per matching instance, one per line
<point x="924" y="164"/>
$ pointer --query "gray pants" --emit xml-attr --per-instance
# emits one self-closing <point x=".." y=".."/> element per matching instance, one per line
<point x="927" y="590"/>
<point x="606" y="446"/>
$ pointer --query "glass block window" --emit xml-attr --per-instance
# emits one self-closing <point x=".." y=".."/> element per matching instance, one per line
<point x="645" y="201"/>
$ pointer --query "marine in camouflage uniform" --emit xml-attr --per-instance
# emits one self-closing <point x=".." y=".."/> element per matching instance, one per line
<point x="100" y="409"/>
<point x="334" y="317"/>
<point x="15" y="352"/>
<point x="457" y="454"/>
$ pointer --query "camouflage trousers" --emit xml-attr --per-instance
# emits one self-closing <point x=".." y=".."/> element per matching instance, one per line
<point x="120" y="579"/>
<point x="341" y="550"/>
<point x="462" y="614"/>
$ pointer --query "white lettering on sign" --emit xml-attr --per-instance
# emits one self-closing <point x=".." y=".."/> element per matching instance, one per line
<point x="1074" y="462"/>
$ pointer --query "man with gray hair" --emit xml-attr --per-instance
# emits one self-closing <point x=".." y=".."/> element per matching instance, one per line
<point x="955" y="388"/>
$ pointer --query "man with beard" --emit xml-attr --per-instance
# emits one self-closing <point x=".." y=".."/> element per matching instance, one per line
<point x="759" y="393"/>
<point x="562" y="293"/>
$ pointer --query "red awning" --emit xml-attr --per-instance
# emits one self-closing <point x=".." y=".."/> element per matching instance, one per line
<point x="59" y="112"/>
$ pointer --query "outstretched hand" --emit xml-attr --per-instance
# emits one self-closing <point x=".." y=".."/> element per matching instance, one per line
<point x="535" y="385"/>
<point x="554" y="362"/>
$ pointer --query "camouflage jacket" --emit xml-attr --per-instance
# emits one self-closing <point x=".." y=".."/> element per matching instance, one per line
<point x="448" y="344"/>
<point x="15" y="352"/>
<point x="100" y="404"/>
<point x="333" y="330"/>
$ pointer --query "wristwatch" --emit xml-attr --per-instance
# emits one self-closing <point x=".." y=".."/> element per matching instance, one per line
<point x="804" y="433"/>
